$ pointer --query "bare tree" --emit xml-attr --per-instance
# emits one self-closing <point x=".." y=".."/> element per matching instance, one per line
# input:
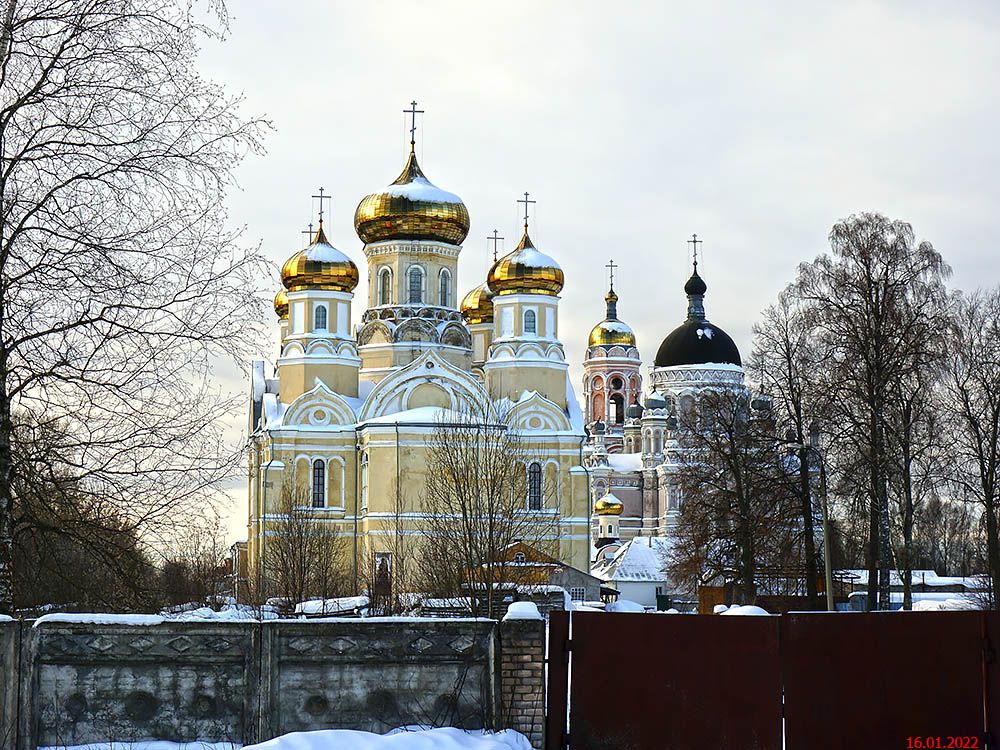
<point x="119" y="284"/>
<point x="195" y="568"/>
<point x="739" y="515"/>
<point x="482" y="495"/>
<point x="876" y="302"/>
<point x="973" y="388"/>
<point x="305" y="556"/>
<point x="788" y="361"/>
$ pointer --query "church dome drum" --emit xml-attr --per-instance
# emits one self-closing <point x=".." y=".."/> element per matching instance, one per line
<point x="526" y="270"/>
<point x="477" y="305"/>
<point x="412" y="208"/>
<point x="319" y="266"/>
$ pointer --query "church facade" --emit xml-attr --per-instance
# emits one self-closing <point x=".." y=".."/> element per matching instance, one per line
<point x="348" y="414"/>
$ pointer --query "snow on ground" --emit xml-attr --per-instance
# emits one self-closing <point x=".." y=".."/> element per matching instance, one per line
<point x="405" y="739"/>
<point x="943" y="605"/>
<point x="6" y="618"/>
<point x="331" y="606"/>
<point x="148" y="745"/>
<point x="624" y="605"/>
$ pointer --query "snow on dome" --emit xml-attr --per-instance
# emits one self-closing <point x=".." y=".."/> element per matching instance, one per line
<point x="526" y="270"/>
<point x="522" y="611"/>
<point x="422" y="189"/>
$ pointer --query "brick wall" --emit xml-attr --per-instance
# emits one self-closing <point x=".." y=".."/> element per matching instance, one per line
<point x="522" y="678"/>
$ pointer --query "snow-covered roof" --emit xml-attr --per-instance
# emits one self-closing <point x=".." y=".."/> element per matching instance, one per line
<point x="420" y="415"/>
<point x="331" y="606"/>
<point x="639" y="559"/>
<point x="625" y="461"/>
<point x="921" y="577"/>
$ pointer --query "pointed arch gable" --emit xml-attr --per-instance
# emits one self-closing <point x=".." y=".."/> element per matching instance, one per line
<point x="536" y="413"/>
<point x="318" y="408"/>
<point x="393" y="393"/>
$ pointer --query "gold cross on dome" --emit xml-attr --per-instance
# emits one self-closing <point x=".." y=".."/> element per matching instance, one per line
<point x="525" y="202"/>
<point x="494" y="239"/>
<point x="413" y="112"/>
<point x="612" y="265"/>
<point x="695" y="241"/>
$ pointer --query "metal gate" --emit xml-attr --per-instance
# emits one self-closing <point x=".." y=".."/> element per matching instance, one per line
<point x="875" y="681"/>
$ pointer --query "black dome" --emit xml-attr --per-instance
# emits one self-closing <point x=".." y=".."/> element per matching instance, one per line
<point x="695" y="285"/>
<point x="697" y="342"/>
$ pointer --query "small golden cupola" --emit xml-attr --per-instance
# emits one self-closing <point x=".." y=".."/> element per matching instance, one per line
<point x="281" y="304"/>
<point x="412" y="208"/>
<point x="609" y="505"/>
<point x="477" y="305"/>
<point x="319" y="266"/>
<point x="526" y="270"/>
<point x="611" y="331"/>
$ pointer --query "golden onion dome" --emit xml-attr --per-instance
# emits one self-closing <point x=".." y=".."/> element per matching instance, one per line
<point x="611" y="331"/>
<point x="319" y="266"/>
<point x="526" y="270"/>
<point x="412" y="208"/>
<point x="609" y="505"/>
<point x="477" y="305"/>
<point x="281" y="304"/>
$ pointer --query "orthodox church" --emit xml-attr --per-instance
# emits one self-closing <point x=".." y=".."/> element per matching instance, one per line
<point x="632" y="453"/>
<point x="349" y="412"/>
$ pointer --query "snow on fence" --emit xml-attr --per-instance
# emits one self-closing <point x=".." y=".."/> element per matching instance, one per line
<point x="70" y="682"/>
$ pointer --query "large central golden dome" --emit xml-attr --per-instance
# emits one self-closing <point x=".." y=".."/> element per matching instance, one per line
<point x="611" y="331"/>
<point x="412" y="208"/>
<point x="526" y="270"/>
<point x="319" y="266"/>
<point x="477" y="305"/>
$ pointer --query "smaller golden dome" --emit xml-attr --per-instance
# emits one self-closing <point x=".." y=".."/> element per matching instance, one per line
<point x="609" y="505"/>
<point x="281" y="304"/>
<point x="412" y="208"/>
<point x="526" y="270"/>
<point x="477" y="305"/>
<point x="611" y="331"/>
<point x="319" y="266"/>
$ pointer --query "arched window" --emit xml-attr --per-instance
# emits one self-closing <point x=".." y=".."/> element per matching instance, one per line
<point x="415" y="277"/>
<point x="529" y="321"/>
<point x="617" y="404"/>
<point x="519" y="557"/>
<point x="385" y="286"/>
<point x="617" y="383"/>
<point x="319" y="318"/>
<point x="319" y="484"/>
<point x="535" y="486"/>
<point x="444" y="288"/>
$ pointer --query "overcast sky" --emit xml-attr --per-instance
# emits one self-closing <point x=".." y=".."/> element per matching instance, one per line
<point x="633" y="125"/>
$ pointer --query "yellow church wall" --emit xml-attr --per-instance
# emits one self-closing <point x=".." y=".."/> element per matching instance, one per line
<point x="399" y="258"/>
<point x="299" y="377"/>
<point x="511" y="379"/>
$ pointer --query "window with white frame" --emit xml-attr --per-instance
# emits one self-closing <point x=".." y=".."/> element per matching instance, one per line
<point x="319" y="318"/>
<point x="385" y="286"/>
<point x="319" y="484"/>
<point x="415" y="280"/>
<point x="535" y="486"/>
<point x="444" y="288"/>
<point x="577" y="593"/>
<point x="530" y="322"/>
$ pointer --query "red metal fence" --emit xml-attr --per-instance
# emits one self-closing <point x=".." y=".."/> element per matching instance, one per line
<point x="879" y="681"/>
